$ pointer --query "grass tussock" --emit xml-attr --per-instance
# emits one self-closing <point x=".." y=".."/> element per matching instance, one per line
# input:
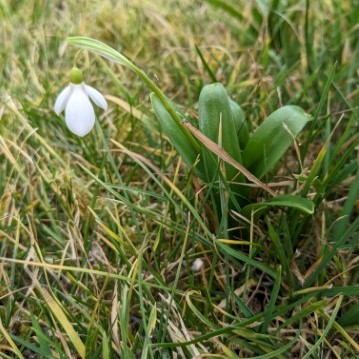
<point x="109" y="245"/>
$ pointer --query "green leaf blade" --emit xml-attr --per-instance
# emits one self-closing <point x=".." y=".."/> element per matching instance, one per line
<point x="215" y="118"/>
<point x="174" y="132"/>
<point x="272" y="139"/>
<point x="302" y="204"/>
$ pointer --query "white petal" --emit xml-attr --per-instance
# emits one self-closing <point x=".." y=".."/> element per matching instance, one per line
<point x="79" y="113"/>
<point x="96" y="97"/>
<point x="62" y="99"/>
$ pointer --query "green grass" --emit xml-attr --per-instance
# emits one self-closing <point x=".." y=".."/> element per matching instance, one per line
<point x="98" y="235"/>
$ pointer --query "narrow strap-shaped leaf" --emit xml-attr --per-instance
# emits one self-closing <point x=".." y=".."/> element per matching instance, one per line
<point x="205" y="65"/>
<point x="347" y="209"/>
<point x="63" y="320"/>
<point x="249" y="261"/>
<point x="350" y="233"/>
<point x="302" y="204"/>
<point x="326" y="329"/>
<point x="7" y="337"/>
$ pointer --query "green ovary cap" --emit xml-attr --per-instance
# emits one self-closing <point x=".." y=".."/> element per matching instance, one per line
<point x="76" y="76"/>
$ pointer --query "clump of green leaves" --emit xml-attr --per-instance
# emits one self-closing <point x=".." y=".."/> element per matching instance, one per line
<point x="223" y="154"/>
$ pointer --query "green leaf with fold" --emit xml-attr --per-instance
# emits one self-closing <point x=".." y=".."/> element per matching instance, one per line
<point x="176" y="134"/>
<point x="302" y="204"/>
<point x="272" y="139"/>
<point x="216" y="122"/>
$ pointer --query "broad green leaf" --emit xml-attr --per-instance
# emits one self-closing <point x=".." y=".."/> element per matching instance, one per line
<point x="240" y="124"/>
<point x="224" y="156"/>
<point x="272" y="138"/>
<point x="302" y="204"/>
<point x="216" y="122"/>
<point x="175" y="133"/>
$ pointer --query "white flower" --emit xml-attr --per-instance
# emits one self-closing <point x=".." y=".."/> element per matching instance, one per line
<point x="75" y="100"/>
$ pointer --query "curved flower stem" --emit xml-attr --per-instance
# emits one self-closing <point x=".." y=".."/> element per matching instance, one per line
<point x="74" y="63"/>
<point x="104" y="50"/>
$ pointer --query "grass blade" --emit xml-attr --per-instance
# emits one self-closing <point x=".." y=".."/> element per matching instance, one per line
<point x="301" y="204"/>
<point x="326" y="330"/>
<point x="10" y="341"/>
<point x="65" y="323"/>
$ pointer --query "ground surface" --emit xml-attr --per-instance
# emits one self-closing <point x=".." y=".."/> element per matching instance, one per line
<point x="98" y="244"/>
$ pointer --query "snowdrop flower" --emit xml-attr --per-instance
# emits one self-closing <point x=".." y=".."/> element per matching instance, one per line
<point x="75" y="100"/>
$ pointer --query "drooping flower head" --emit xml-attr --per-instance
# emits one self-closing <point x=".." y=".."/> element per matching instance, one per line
<point x="75" y="100"/>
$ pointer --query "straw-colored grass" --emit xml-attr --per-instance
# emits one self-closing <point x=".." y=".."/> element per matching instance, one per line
<point x="98" y="236"/>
